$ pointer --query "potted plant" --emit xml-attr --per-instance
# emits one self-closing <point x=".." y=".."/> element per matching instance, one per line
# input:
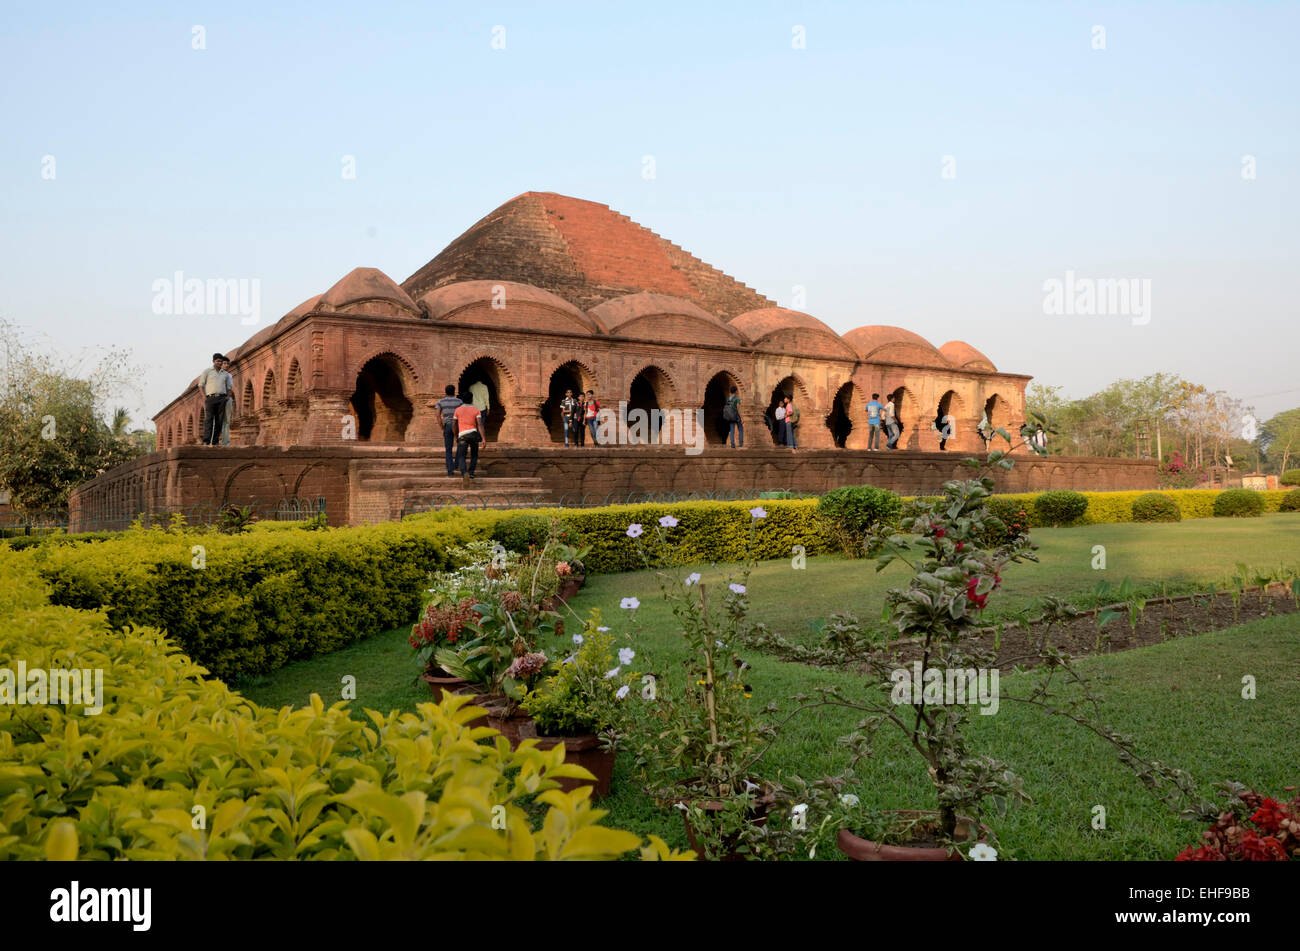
<point x="696" y="737"/>
<point x="577" y="704"/>
<point x="441" y="625"/>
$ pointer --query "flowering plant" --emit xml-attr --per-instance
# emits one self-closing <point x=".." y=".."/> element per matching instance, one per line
<point x="699" y="733"/>
<point x="1253" y="828"/>
<point x="584" y="691"/>
<point x="1178" y="473"/>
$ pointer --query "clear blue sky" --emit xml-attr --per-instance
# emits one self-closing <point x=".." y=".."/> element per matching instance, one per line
<point x="818" y="167"/>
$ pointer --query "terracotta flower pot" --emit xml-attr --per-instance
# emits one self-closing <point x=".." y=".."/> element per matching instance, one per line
<point x="757" y="815"/>
<point x="441" y="682"/>
<point x="865" y="850"/>
<point x="584" y="750"/>
<point x="570" y="586"/>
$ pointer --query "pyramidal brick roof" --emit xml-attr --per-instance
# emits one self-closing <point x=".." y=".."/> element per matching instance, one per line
<point x="583" y="252"/>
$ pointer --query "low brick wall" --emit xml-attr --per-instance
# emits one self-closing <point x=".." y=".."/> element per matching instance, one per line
<point x="189" y="476"/>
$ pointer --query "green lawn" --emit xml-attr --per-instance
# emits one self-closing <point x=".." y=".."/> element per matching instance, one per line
<point x="1181" y="698"/>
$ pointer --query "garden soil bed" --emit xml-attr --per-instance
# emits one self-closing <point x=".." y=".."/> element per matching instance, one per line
<point x="1161" y="620"/>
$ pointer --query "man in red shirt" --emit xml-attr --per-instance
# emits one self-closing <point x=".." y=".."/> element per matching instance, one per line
<point x="469" y="433"/>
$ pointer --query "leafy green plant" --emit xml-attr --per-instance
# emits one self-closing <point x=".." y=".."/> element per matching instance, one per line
<point x="1063" y="507"/>
<point x="1290" y="502"/>
<point x="235" y="519"/>
<point x="1156" y="507"/>
<point x="582" y="696"/>
<point x="852" y="511"/>
<point x="1238" y="503"/>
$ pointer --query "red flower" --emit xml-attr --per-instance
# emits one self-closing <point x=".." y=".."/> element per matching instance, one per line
<point x="960" y="546"/>
<point x="976" y="599"/>
<point x="1265" y="849"/>
<point x="940" y="532"/>
<point x="1200" y="854"/>
<point x="1269" y="815"/>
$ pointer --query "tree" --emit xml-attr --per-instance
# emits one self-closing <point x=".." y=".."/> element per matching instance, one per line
<point x="1279" y="438"/>
<point x="53" y="435"/>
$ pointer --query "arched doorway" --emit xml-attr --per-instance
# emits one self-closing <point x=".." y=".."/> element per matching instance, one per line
<point x="568" y="376"/>
<point x="650" y="391"/>
<point x="840" y="420"/>
<point x="483" y="382"/>
<point x="947" y="420"/>
<point x="998" y="413"/>
<point x="787" y="387"/>
<point x="905" y="412"/>
<point x="716" y="393"/>
<point x="379" y="402"/>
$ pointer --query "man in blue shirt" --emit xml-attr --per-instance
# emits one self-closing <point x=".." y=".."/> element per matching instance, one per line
<point x="447" y="406"/>
<point x="874" y="410"/>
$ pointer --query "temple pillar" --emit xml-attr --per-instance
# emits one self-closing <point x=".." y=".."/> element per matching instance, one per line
<point x="324" y="423"/>
<point x="524" y="425"/>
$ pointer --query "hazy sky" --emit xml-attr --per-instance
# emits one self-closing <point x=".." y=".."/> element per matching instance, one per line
<point x="822" y="167"/>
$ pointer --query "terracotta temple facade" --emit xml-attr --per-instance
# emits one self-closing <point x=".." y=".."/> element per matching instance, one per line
<point x="549" y="293"/>
<point x="334" y="402"/>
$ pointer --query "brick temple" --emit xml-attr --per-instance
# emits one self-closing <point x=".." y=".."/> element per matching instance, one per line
<point x="549" y="293"/>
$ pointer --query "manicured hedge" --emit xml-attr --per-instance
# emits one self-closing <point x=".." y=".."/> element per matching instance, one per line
<point x="1118" y="506"/>
<point x="1290" y="477"/>
<point x="1155" y="507"/>
<point x="705" y="531"/>
<point x="246" y="604"/>
<point x="131" y="781"/>
<point x="1239" y="503"/>
<point x="1290" y="501"/>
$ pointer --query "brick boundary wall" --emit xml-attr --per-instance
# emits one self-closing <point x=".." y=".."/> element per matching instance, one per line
<point x="344" y="475"/>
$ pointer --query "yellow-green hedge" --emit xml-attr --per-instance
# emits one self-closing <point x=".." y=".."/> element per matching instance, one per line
<point x="1118" y="506"/>
<point x="246" y="604"/>
<point x="706" y="531"/>
<point x="176" y="766"/>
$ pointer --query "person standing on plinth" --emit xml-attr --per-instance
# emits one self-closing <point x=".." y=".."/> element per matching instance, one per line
<point x="469" y="435"/>
<point x="592" y="412"/>
<point x="447" y="407"/>
<point x="228" y="411"/>
<point x="873" y="423"/>
<point x="893" y="428"/>
<point x="731" y="414"/>
<point x="213" y="388"/>
<point x="791" y="422"/>
<point x="567" y="406"/>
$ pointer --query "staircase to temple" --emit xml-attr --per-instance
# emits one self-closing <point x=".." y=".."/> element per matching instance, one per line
<point x="387" y="488"/>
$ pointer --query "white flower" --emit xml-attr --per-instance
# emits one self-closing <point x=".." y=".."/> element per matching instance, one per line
<point x="680" y="805"/>
<point x="800" y="809"/>
<point x="668" y="522"/>
<point x="736" y="588"/>
<point x="602" y="629"/>
<point x="983" y="852"/>
<point x="622" y="691"/>
<point x="625" y="655"/>
<point x="569" y="659"/>
<point x="634" y="530"/>
<point x="848" y="799"/>
<point x="758" y="512"/>
<point x="629" y="604"/>
<point x="719" y="643"/>
<point x="577" y="638"/>
<point x="693" y="578"/>
<point x="612" y="673"/>
<point x="749" y="785"/>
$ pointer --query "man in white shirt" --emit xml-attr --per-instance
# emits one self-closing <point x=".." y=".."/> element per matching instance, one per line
<point x="780" y="423"/>
<point x="478" y="396"/>
<point x="213" y="388"/>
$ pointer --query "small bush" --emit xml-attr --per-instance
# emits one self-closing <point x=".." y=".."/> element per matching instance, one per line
<point x="1014" y="516"/>
<point x="1290" y="502"/>
<point x="1238" y="503"/>
<point x="1290" y="477"/>
<point x="521" y="532"/>
<point x="1060" y="508"/>
<point x="1155" y="507"/>
<point x="851" y="512"/>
